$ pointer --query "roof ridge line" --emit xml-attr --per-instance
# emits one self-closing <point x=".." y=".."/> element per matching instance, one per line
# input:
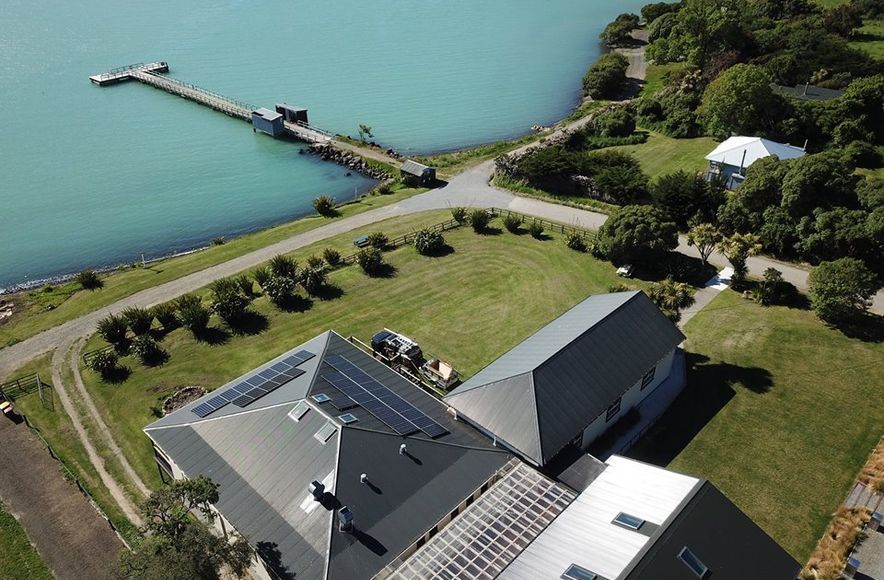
<point x="221" y="417"/>
<point x="427" y="440"/>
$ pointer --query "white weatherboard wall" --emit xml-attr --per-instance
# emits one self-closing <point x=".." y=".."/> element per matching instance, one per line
<point x="631" y="398"/>
<point x="584" y="535"/>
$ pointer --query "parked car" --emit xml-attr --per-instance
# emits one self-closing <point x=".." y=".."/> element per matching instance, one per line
<point x="625" y="270"/>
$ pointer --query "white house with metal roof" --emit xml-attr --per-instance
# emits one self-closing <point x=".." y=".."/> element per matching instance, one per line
<point x="730" y="160"/>
<point x="565" y="385"/>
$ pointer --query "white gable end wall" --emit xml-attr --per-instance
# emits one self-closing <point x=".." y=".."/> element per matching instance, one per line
<point x="631" y="398"/>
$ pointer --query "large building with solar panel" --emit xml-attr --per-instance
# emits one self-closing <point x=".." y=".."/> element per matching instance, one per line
<point x="333" y="465"/>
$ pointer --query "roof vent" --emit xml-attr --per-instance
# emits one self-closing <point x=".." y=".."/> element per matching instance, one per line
<point x="345" y="520"/>
<point x="316" y="489"/>
<point x="363" y="478"/>
<point x="403" y="449"/>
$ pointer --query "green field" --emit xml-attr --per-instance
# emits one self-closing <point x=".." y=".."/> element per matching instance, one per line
<point x="20" y="560"/>
<point x="45" y="308"/>
<point x="467" y="307"/>
<point x="780" y="413"/>
<point x="870" y="38"/>
<point x="661" y="154"/>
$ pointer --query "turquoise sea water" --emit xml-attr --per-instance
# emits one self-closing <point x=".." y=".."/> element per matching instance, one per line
<point x="94" y="176"/>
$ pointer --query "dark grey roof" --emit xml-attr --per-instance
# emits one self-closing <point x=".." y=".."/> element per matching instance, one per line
<point x="414" y="168"/>
<point x="541" y="394"/>
<point x="730" y="544"/>
<point x="808" y="92"/>
<point x="264" y="460"/>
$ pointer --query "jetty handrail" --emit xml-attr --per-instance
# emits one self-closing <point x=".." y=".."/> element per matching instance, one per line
<point x="314" y="128"/>
<point x="166" y="80"/>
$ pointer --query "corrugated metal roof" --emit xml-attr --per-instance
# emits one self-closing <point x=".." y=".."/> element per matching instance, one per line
<point x="545" y="391"/>
<point x="263" y="460"/>
<point x="413" y="167"/>
<point x="267" y="114"/>
<point x="732" y="151"/>
<point x="585" y="535"/>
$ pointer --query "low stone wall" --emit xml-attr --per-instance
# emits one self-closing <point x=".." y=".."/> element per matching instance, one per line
<point x="331" y="153"/>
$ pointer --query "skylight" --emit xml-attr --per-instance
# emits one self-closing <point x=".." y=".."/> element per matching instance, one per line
<point x="691" y="560"/>
<point x="321" y="398"/>
<point x="575" y="572"/>
<point x="325" y="432"/>
<point x="347" y="418"/>
<point x="628" y="521"/>
<point x="298" y="412"/>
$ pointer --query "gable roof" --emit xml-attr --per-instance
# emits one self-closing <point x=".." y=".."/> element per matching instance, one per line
<point x="264" y="459"/>
<point x="547" y="389"/>
<point x="413" y="167"/>
<point x="731" y="151"/>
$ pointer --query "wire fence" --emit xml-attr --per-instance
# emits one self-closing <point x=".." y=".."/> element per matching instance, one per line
<point x="27" y="385"/>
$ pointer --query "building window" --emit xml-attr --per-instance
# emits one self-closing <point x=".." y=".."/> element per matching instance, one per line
<point x="575" y="572"/>
<point x="693" y="563"/>
<point x="628" y="521"/>
<point x="613" y="409"/>
<point x="649" y="377"/>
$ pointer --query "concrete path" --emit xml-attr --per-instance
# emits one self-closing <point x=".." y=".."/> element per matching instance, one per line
<point x="706" y="294"/>
<point x="74" y="541"/>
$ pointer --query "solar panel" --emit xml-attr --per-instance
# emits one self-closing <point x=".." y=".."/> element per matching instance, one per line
<point x="267" y="386"/>
<point x="388" y="407"/>
<point x="299" y="357"/>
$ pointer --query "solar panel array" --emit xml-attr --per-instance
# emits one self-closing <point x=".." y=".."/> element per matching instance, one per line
<point x="256" y="386"/>
<point x="391" y="409"/>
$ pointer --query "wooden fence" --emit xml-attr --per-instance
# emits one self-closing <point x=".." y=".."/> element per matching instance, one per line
<point x="587" y="235"/>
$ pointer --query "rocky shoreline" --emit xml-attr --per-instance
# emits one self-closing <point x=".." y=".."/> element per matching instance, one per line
<point x="328" y="152"/>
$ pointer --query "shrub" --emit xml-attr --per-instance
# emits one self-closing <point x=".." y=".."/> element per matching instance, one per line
<point x="89" y="280"/>
<point x="283" y="266"/>
<point x="459" y="214"/>
<point x="512" y="222"/>
<point x="842" y="289"/>
<point x="139" y="320"/>
<point x="636" y="231"/>
<point x="192" y="314"/>
<point x="535" y="228"/>
<point x="618" y="32"/>
<point x="671" y="297"/>
<point x="315" y="262"/>
<point x="371" y="260"/>
<point x="479" y="220"/>
<point x="575" y="241"/>
<point x="325" y="206"/>
<point x="313" y="279"/>
<point x="616" y="122"/>
<point x="280" y="289"/>
<point x="385" y="188"/>
<point x="605" y="77"/>
<point x="245" y="284"/>
<point x="770" y="290"/>
<point x="261" y="275"/>
<point x="147" y="349"/>
<point x="331" y="256"/>
<point x="378" y="240"/>
<point x="228" y="301"/>
<point x="428" y="242"/>
<point x="219" y="241"/>
<point x="104" y="363"/>
<point x="166" y="315"/>
<point x="113" y="329"/>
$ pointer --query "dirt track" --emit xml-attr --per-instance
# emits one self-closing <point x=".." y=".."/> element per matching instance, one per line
<point x="72" y="538"/>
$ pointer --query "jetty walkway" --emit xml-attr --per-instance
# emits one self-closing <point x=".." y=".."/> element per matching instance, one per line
<point x="153" y="74"/>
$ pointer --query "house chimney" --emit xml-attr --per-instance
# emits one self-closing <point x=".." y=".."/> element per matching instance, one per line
<point x="316" y="489"/>
<point x="345" y="520"/>
<point x="402" y="449"/>
<point x="363" y="478"/>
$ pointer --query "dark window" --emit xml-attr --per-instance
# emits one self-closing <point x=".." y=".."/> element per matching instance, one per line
<point x="613" y="409"/>
<point x="649" y="377"/>
<point x="575" y="572"/>
<point x="628" y="521"/>
<point x="693" y="563"/>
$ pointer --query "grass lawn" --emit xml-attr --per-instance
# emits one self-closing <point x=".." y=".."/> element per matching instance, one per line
<point x="55" y="426"/>
<point x="780" y="412"/>
<point x="20" y="559"/>
<point x="871" y="37"/>
<point x="467" y="307"/>
<point x="655" y="76"/>
<point x="70" y="301"/>
<point x="660" y="154"/>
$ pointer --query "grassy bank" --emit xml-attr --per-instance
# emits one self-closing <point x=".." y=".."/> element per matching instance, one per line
<point x="780" y="412"/>
<point x="660" y="154"/>
<point x="577" y="201"/>
<point x="467" y="307"/>
<point x="41" y="309"/>
<point x="20" y="560"/>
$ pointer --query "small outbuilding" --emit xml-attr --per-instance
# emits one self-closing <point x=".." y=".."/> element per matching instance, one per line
<point x="414" y="173"/>
<point x="730" y="160"/>
<point x="268" y="121"/>
<point x="808" y="92"/>
<point x="292" y="114"/>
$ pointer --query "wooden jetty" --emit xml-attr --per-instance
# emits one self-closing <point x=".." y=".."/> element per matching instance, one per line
<point x="150" y="74"/>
